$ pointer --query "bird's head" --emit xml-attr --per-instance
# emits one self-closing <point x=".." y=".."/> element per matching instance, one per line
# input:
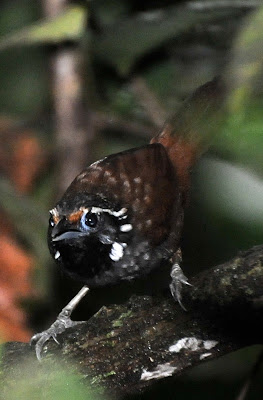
<point x="114" y="216"/>
<point x="88" y="239"/>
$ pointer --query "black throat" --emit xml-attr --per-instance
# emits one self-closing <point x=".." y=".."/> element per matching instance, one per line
<point x="82" y="259"/>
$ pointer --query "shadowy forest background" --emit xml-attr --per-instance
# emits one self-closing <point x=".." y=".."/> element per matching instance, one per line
<point x="81" y="80"/>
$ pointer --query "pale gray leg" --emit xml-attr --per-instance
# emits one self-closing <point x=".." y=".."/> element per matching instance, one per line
<point x="178" y="278"/>
<point x="62" y="323"/>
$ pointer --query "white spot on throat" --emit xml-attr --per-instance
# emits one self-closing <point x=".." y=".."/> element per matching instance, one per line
<point x="117" y="251"/>
<point x="126" y="228"/>
<point x="57" y="255"/>
<point x="192" y="344"/>
<point x="161" y="371"/>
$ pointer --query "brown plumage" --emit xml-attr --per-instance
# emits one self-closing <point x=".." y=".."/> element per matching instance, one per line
<point x="121" y="218"/>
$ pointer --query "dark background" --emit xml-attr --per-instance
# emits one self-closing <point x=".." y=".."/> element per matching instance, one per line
<point x="172" y="47"/>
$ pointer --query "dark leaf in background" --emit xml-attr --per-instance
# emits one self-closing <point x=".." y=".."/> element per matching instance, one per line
<point x="122" y="44"/>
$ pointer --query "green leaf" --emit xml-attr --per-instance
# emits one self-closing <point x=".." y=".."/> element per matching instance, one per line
<point x="246" y="63"/>
<point x="241" y="138"/>
<point x="50" y="381"/>
<point x="122" y="44"/>
<point x="69" y="25"/>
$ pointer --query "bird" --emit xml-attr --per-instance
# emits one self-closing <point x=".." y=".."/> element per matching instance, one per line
<point x="121" y="218"/>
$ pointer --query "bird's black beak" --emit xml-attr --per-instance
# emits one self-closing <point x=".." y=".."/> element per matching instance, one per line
<point x="65" y="230"/>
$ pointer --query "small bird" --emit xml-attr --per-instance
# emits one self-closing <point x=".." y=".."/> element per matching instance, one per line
<point x="121" y="218"/>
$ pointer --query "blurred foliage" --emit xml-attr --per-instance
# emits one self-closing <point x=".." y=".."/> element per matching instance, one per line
<point x="174" y="46"/>
<point x="246" y="67"/>
<point x="121" y="45"/>
<point x="28" y="211"/>
<point x="242" y="137"/>
<point x="51" y="31"/>
<point x="51" y="382"/>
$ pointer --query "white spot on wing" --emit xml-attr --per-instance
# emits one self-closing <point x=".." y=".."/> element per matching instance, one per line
<point x="161" y="371"/>
<point x="81" y="176"/>
<point x="112" y="179"/>
<point x="117" y="250"/>
<point x="126" y="228"/>
<point x="57" y="255"/>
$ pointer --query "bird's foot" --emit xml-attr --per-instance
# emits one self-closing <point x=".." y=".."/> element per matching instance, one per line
<point x="62" y="323"/>
<point x="178" y="280"/>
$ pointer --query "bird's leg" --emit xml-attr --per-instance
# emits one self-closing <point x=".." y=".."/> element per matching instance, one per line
<point x="178" y="278"/>
<point x="62" y="323"/>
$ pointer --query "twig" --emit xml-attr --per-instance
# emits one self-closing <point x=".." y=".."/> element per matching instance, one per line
<point x="74" y="129"/>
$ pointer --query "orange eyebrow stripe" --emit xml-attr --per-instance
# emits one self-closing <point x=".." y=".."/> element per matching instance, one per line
<point x="75" y="217"/>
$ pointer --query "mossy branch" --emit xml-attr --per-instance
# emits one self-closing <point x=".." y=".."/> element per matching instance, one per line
<point x="126" y="348"/>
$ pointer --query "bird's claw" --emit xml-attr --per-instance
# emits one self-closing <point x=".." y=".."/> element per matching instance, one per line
<point x="178" y="279"/>
<point x="39" y="340"/>
<point x="62" y="323"/>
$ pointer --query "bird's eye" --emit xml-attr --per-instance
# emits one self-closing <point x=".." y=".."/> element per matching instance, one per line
<point x="89" y="220"/>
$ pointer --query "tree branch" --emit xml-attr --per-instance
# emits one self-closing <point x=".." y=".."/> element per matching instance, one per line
<point x="73" y="124"/>
<point x="126" y="348"/>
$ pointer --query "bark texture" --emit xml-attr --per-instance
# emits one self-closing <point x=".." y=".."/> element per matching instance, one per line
<point x="126" y="348"/>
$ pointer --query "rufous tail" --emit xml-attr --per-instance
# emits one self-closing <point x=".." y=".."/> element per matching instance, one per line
<point x="190" y="132"/>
